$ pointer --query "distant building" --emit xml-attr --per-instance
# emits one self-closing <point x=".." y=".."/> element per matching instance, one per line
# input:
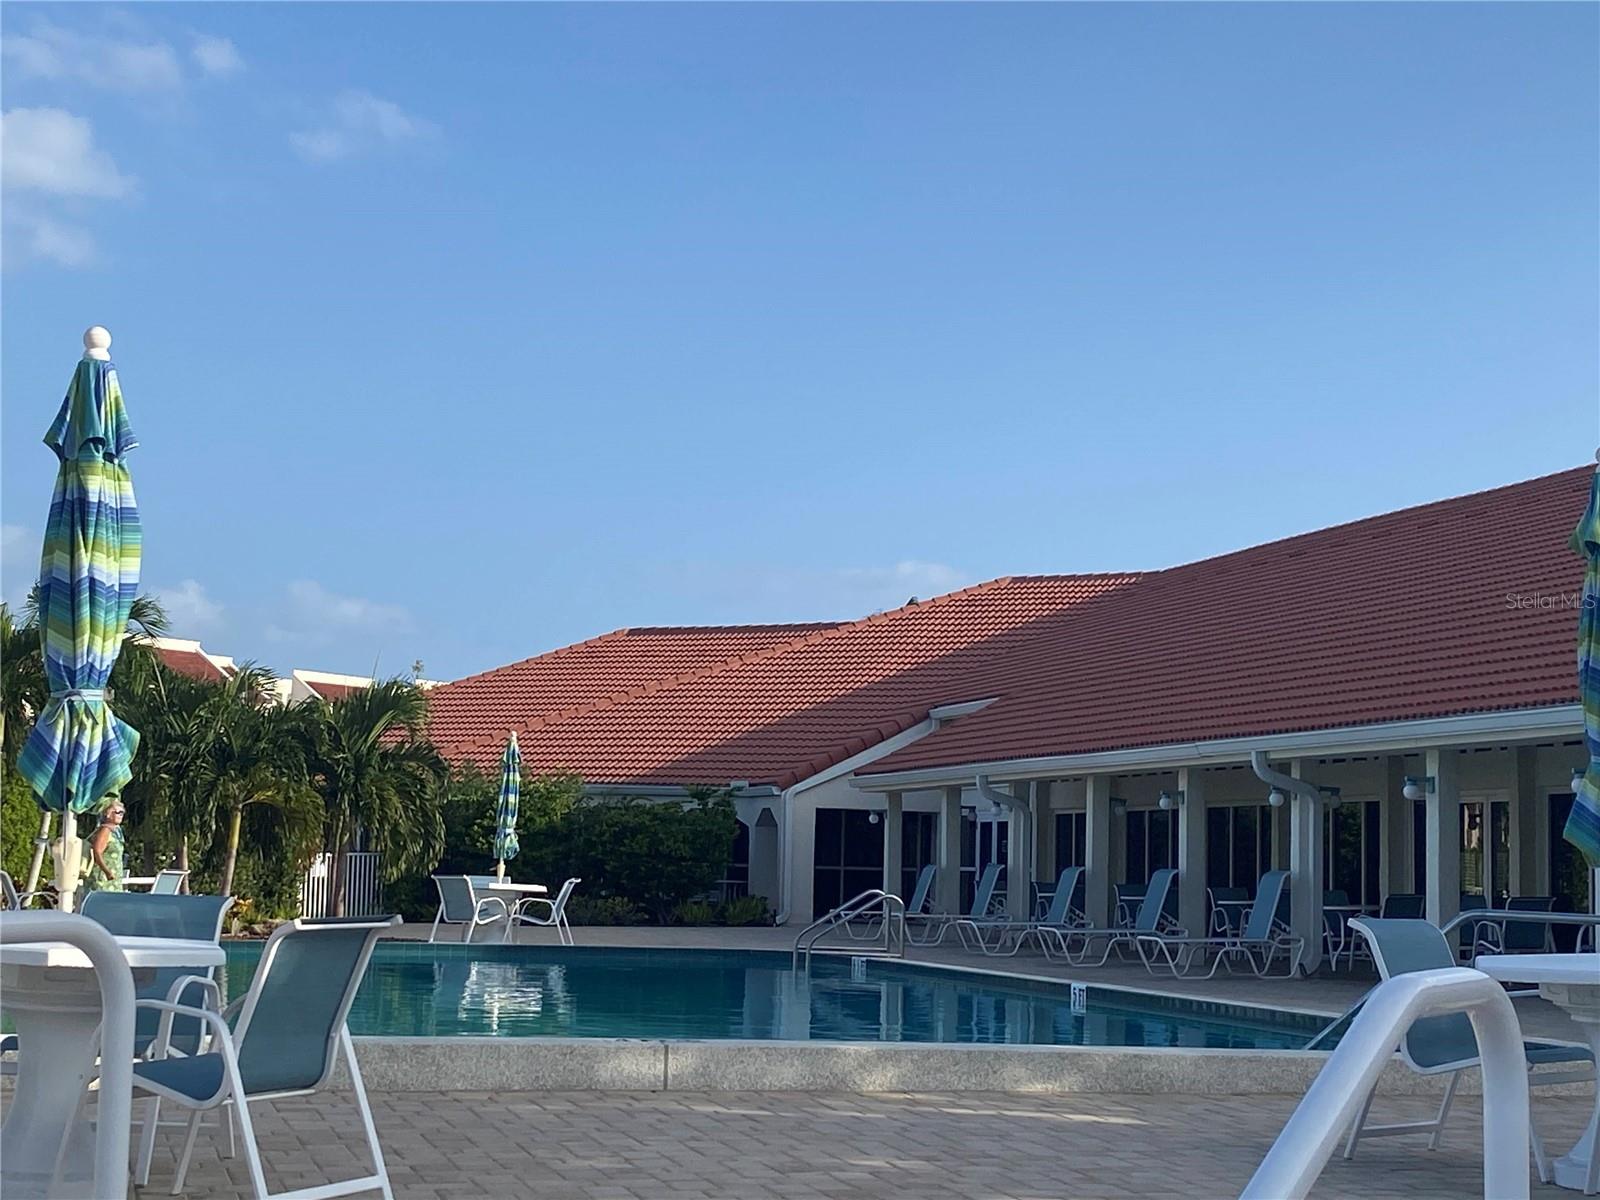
<point x="191" y="659"/>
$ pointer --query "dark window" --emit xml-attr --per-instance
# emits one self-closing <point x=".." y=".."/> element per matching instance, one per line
<point x="1072" y="840"/>
<point x="848" y="858"/>
<point x="1219" y="846"/>
<point x="736" y="879"/>
<point x="1152" y="843"/>
<point x="919" y="846"/>
<point x="1419" y="846"/>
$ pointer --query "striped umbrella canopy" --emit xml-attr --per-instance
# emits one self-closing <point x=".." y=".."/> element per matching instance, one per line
<point x="505" y="813"/>
<point x="1583" y="826"/>
<point x="79" y="752"/>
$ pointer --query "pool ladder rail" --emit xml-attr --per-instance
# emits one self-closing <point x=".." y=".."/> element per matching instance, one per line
<point x="884" y="911"/>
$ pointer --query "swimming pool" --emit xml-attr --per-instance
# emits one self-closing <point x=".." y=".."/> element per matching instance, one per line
<point x="414" y="989"/>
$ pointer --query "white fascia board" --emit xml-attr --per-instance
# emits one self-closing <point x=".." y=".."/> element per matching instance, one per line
<point x="1523" y="724"/>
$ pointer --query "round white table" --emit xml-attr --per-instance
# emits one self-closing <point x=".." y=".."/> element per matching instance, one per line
<point x="1571" y="982"/>
<point x="52" y="997"/>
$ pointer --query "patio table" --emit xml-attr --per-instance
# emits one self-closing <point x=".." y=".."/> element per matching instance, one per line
<point x="1571" y="982"/>
<point x="53" y="997"/>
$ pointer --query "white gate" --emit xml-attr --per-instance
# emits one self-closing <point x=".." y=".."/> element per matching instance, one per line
<point x="362" y="894"/>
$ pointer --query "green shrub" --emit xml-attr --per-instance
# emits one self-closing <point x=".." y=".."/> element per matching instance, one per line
<point x="745" y="910"/>
<point x="604" y="910"/>
<point x="694" y="912"/>
<point x="19" y="825"/>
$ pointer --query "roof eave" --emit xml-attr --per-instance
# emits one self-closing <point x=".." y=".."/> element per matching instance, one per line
<point x="1522" y="724"/>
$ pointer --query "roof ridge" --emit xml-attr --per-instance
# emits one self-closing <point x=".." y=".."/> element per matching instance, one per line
<point x="1410" y="511"/>
<point x="655" y="687"/>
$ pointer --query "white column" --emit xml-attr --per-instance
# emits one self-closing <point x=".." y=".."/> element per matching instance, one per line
<point x="1525" y="865"/>
<point x="764" y="858"/>
<point x="1192" y="852"/>
<point x="947" y="887"/>
<point x="1019" y="858"/>
<point x="1097" y="853"/>
<point x="1305" y="872"/>
<point x="892" y="844"/>
<point x="1044" y="832"/>
<point x="1444" y="836"/>
<point x="1394" y="828"/>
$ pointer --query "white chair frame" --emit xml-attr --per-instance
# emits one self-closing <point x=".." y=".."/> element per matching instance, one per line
<point x="483" y="911"/>
<point x="555" y="918"/>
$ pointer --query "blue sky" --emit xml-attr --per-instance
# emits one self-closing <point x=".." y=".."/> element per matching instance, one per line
<point x="461" y="332"/>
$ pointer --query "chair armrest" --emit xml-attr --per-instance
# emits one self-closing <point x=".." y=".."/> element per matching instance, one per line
<point x="169" y="1010"/>
<point x="488" y="902"/>
<point x="524" y="903"/>
<point x="184" y="982"/>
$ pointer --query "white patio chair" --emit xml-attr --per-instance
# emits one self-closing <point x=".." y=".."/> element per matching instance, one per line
<point x="288" y="1029"/>
<point x="555" y="916"/>
<point x="460" y="904"/>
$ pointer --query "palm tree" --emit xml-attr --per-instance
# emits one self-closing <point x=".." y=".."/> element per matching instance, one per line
<point x="22" y="684"/>
<point x="379" y="776"/>
<point x="259" y="760"/>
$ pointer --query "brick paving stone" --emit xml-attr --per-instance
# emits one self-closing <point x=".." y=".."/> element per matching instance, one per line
<point x="798" y="1146"/>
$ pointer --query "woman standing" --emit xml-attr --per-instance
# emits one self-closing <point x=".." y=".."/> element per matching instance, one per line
<point x="105" y="852"/>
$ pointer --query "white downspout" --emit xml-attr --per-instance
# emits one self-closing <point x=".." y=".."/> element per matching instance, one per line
<point x="1023" y="814"/>
<point x="1305" y="904"/>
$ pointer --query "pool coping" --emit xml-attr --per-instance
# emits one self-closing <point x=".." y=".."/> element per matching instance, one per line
<point x="491" y="1064"/>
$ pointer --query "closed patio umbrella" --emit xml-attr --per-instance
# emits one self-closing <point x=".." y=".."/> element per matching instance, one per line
<point x="1583" y="826"/>
<point x="505" y="813"/>
<point x="79" y="752"/>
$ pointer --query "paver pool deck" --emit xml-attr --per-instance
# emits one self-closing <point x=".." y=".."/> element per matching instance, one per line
<point x="810" y="1146"/>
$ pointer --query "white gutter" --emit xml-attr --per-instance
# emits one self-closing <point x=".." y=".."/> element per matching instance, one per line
<point x="886" y="747"/>
<point x="1021" y="813"/>
<point x="1558" y="721"/>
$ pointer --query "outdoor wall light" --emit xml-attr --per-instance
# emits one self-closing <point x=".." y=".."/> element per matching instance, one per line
<point x="1276" y="797"/>
<point x="1416" y="789"/>
<point x="1171" y="800"/>
<point x="1119" y="808"/>
<point x="872" y="818"/>
<point x="1331" y="797"/>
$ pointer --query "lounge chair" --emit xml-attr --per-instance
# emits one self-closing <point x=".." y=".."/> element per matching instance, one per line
<point x="1436" y="1045"/>
<point x="867" y="925"/>
<point x="554" y="916"/>
<point x="975" y="934"/>
<point x="1265" y="934"/>
<point x="460" y="904"/>
<point x="1227" y="906"/>
<point x="1151" y="918"/>
<point x="287" y="1030"/>
<point x="1403" y="906"/>
<point x="933" y="926"/>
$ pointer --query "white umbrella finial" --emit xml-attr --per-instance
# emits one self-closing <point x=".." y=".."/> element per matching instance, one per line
<point x="97" y="343"/>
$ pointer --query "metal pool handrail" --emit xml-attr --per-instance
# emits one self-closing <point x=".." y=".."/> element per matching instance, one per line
<point x="890" y="942"/>
<point x="1336" y="1095"/>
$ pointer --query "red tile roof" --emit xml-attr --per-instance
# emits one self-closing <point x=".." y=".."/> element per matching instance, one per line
<point x="779" y="714"/>
<point x="192" y="663"/>
<point x="331" y="691"/>
<point x="1409" y="615"/>
<point x="624" y="662"/>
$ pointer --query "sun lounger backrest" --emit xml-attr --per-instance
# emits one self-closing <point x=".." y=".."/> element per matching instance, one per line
<point x="919" y="894"/>
<point x="1400" y="947"/>
<point x="1403" y="906"/>
<point x="1061" y="903"/>
<point x="985" y="890"/>
<point x="1155" y="900"/>
<point x="1270" y="894"/>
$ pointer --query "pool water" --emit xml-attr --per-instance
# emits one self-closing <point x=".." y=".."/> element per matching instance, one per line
<point x="413" y="989"/>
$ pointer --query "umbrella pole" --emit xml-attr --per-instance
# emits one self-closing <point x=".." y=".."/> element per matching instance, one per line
<point x="500" y="870"/>
<point x="40" y="844"/>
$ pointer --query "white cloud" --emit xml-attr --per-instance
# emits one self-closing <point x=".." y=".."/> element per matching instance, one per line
<point x="53" y="53"/>
<point x="905" y="579"/>
<point x="51" y="151"/>
<point x="358" y="121"/>
<point x="313" y="606"/>
<point x="190" y="609"/>
<point x="216" y="55"/>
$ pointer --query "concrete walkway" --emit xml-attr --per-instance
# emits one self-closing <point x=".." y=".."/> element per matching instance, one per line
<point x="790" y="1146"/>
